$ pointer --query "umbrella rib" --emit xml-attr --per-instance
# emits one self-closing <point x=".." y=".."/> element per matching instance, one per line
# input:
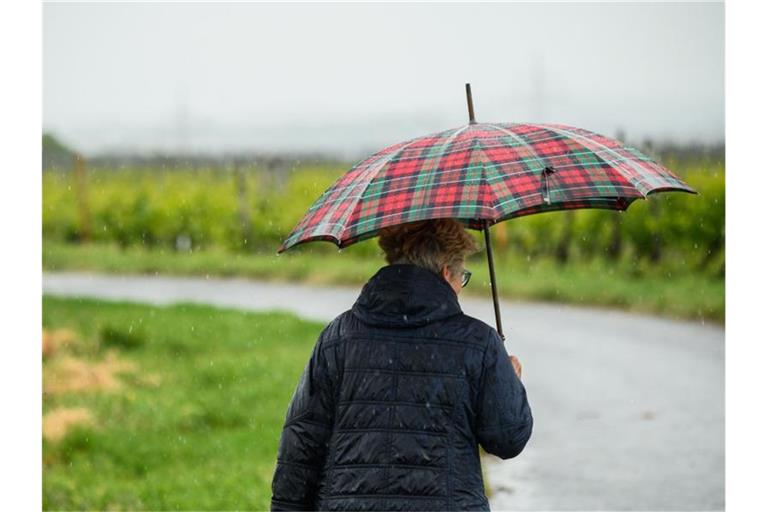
<point x="499" y="175"/>
<point x="486" y="165"/>
<point x="446" y="143"/>
<point x="365" y="175"/>
<point x="425" y="208"/>
<point x="339" y="200"/>
<point x="398" y="150"/>
<point x="436" y="168"/>
<point x="560" y="189"/>
<point x="618" y="156"/>
<point x="520" y="140"/>
<point x="385" y="158"/>
<point x="407" y="177"/>
<point x="478" y="206"/>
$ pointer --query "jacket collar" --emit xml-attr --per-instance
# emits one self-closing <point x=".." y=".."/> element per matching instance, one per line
<point x="405" y="295"/>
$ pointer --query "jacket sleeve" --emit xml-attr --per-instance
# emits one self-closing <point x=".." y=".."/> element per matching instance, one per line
<point x="504" y="421"/>
<point x="303" y="444"/>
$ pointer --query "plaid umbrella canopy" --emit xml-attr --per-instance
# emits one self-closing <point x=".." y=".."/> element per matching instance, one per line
<point x="481" y="174"/>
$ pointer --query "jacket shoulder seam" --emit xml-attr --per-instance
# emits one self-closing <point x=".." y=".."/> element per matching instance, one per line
<point x="409" y="339"/>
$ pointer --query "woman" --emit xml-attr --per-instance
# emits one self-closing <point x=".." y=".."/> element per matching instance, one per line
<point x="400" y="389"/>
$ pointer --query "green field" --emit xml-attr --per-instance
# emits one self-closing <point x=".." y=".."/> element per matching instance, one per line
<point x="253" y="211"/>
<point x="196" y="422"/>
<point x="664" y="255"/>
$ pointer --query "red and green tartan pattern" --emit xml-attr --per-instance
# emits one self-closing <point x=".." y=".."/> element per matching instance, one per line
<point x="482" y="172"/>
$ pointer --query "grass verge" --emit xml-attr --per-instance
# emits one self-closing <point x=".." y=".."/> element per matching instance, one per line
<point x="172" y="408"/>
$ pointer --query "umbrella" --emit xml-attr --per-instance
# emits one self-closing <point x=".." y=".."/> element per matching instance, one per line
<point x="481" y="174"/>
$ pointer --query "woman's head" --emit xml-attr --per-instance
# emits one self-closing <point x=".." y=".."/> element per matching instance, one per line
<point x="439" y="245"/>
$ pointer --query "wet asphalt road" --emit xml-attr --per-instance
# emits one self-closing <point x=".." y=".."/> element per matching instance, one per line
<point x="628" y="409"/>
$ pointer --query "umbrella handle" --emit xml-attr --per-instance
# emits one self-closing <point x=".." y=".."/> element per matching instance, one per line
<point x="492" y="271"/>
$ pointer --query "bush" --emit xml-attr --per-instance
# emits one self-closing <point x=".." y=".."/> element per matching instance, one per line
<point x="186" y="210"/>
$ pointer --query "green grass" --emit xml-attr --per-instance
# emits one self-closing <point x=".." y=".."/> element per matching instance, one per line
<point x="205" y="437"/>
<point x="671" y="289"/>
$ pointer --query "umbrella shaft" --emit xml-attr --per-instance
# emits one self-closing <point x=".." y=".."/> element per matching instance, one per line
<point x="470" y="106"/>
<point x="492" y="271"/>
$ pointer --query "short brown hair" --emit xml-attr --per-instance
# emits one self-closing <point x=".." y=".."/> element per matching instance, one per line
<point x="430" y="244"/>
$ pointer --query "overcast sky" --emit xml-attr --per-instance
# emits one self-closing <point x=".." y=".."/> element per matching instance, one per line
<point x="352" y="78"/>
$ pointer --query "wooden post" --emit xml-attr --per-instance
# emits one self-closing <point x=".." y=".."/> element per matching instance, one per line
<point x="81" y="196"/>
<point x="615" y="243"/>
<point x="246" y="228"/>
<point x="562" y="250"/>
<point x="502" y="236"/>
<point x="653" y="206"/>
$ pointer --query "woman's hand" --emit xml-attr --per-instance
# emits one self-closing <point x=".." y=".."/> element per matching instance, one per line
<point x="516" y="366"/>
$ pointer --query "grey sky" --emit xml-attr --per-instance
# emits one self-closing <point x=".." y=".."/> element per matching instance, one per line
<point x="356" y="77"/>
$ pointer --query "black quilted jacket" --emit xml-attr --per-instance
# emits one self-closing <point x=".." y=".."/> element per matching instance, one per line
<point x="397" y="394"/>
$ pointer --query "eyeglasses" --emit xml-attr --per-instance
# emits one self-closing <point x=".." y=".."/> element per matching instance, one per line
<point x="465" y="275"/>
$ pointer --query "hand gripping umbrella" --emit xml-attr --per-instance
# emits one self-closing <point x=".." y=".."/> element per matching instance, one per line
<point x="481" y="174"/>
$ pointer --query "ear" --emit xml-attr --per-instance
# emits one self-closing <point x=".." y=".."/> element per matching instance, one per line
<point x="446" y="273"/>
